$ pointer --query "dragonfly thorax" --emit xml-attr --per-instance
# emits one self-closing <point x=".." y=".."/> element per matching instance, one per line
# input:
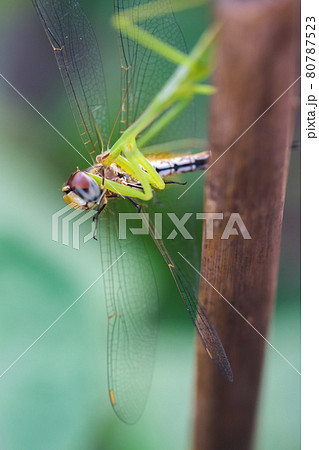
<point x="81" y="191"/>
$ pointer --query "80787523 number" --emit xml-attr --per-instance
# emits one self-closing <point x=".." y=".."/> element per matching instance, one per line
<point x="310" y="47"/>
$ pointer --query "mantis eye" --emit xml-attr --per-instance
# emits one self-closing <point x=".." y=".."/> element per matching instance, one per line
<point x="83" y="189"/>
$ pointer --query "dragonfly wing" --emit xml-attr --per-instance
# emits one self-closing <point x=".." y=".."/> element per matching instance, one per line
<point x="146" y="72"/>
<point x="132" y="310"/>
<point x="185" y="285"/>
<point x="74" y="44"/>
<point x="204" y="327"/>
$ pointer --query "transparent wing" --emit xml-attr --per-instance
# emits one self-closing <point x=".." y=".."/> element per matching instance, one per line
<point x="74" y="44"/>
<point x="132" y="309"/>
<point x="204" y="328"/>
<point x="143" y="75"/>
<point x="145" y="72"/>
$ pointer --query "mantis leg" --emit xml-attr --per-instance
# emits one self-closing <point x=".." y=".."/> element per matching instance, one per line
<point x="180" y="88"/>
<point x="148" y="40"/>
<point x="162" y="122"/>
<point x="138" y="163"/>
<point x="127" y="168"/>
<point x="140" y="168"/>
<point x="125" y="191"/>
<point x="157" y="8"/>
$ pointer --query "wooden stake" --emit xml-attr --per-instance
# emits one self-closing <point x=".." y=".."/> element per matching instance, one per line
<point x="257" y="63"/>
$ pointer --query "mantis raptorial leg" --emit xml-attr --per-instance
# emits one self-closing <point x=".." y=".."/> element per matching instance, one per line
<point x="161" y="123"/>
<point x="152" y="10"/>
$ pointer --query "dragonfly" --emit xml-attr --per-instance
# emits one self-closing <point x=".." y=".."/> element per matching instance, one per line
<point x="159" y="81"/>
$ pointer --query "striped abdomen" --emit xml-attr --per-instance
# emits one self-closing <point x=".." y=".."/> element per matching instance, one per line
<point x="167" y="165"/>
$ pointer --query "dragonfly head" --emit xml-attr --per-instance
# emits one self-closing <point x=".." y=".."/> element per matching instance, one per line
<point x="81" y="191"/>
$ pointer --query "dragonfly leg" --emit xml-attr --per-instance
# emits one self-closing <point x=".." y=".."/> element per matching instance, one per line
<point x="96" y="220"/>
<point x="137" y="206"/>
<point x="176" y="182"/>
<point x="96" y="217"/>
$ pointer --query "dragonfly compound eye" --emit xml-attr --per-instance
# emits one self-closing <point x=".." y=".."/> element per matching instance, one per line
<point x="82" y="191"/>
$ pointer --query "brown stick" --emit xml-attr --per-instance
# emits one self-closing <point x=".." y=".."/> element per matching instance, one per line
<point x="258" y="61"/>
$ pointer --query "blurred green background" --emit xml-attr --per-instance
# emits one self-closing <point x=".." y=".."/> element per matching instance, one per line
<point x="55" y="397"/>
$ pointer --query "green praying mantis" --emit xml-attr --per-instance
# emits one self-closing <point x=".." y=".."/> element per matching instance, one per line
<point x="167" y="104"/>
